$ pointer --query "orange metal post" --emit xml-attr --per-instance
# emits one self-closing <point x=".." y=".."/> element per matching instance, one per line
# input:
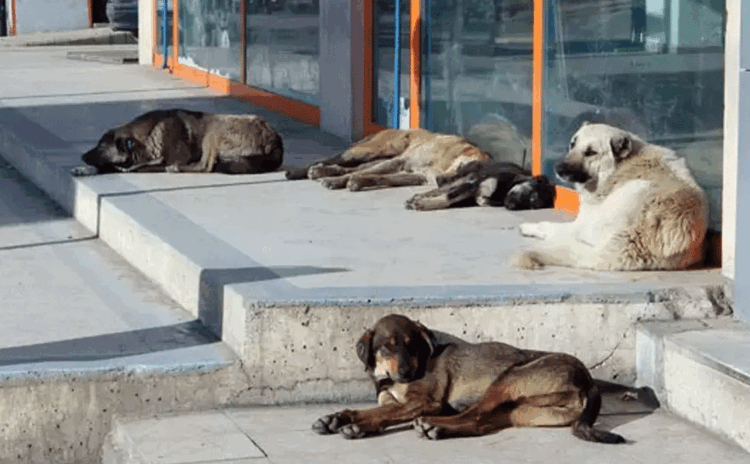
<point x="175" y="30"/>
<point x="13" y="24"/>
<point x="537" y="86"/>
<point x="91" y="13"/>
<point x="415" y="62"/>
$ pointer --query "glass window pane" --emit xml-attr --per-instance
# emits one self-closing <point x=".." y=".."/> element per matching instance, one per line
<point x="476" y="73"/>
<point x="160" y="27"/>
<point x="210" y="36"/>
<point x="653" y="67"/>
<point x="383" y="47"/>
<point x="283" y="47"/>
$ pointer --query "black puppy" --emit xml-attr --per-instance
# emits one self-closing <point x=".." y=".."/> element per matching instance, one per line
<point x="494" y="184"/>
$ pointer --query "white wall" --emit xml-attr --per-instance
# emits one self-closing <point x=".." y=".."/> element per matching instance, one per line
<point x="51" y="15"/>
<point x="731" y="136"/>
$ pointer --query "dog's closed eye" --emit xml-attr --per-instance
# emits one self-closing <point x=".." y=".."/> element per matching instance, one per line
<point x="129" y="145"/>
<point x="589" y="152"/>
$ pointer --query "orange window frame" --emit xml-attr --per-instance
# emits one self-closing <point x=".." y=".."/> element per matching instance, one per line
<point x="293" y="108"/>
<point x="567" y="199"/>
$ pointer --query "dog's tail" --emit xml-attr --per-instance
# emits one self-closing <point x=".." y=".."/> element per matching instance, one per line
<point x="583" y="428"/>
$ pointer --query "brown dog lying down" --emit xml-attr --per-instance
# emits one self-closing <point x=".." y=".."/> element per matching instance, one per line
<point x="463" y="173"/>
<point x="393" y="158"/>
<point x="179" y="140"/>
<point x="463" y="389"/>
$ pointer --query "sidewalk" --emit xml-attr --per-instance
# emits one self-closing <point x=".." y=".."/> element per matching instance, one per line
<point x="282" y="435"/>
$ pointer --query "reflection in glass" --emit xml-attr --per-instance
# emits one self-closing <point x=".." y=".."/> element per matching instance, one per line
<point x="383" y="62"/>
<point x="210" y="36"/>
<point x="653" y="67"/>
<point x="159" y="27"/>
<point x="283" y="47"/>
<point x="476" y="73"/>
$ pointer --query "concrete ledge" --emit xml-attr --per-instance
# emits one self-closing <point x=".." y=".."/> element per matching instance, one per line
<point x="64" y="418"/>
<point x="93" y="36"/>
<point x="700" y="370"/>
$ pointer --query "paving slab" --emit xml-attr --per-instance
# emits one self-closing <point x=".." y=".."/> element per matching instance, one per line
<point x="283" y="435"/>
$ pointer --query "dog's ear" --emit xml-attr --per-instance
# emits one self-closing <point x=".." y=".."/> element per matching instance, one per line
<point x="620" y="145"/>
<point x="428" y="337"/>
<point x="364" y="349"/>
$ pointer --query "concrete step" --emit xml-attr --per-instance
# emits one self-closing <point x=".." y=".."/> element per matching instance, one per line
<point x="87" y="337"/>
<point x="701" y="371"/>
<point x="282" y="435"/>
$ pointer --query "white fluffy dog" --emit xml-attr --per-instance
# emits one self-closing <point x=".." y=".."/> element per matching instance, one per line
<point x="640" y="208"/>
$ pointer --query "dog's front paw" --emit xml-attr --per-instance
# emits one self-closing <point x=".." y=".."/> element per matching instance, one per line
<point x="80" y="171"/>
<point x="172" y="168"/>
<point x="422" y="202"/>
<point x="534" y="229"/>
<point x="318" y="171"/>
<point x="352" y="431"/>
<point x="329" y="424"/>
<point x="426" y="430"/>
<point x="333" y="183"/>
<point x="527" y="260"/>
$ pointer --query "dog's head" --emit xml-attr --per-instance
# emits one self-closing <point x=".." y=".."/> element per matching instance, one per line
<point x="118" y="149"/>
<point x="534" y="193"/>
<point x="141" y="140"/>
<point x="594" y="153"/>
<point x="396" y="348"/>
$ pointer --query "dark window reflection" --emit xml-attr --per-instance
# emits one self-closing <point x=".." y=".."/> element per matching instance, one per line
<point x="210" y="36"/>
<point x="283" y="47"/>
<point x="654" y="67"/>
<point x="160" y="26"/>
<point x="476" y="73"/>
<point x="383" y="62"/>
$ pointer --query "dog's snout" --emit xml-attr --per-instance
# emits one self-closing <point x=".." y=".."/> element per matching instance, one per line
<point x="89" y="157"/>
<point x="571" y="173"/>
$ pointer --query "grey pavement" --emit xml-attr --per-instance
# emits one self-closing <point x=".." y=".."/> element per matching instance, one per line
<point x="282" y="435"/>
<point x="72" y="307"/>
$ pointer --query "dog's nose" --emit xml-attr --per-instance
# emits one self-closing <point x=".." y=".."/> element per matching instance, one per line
<point x="89" y="158"/>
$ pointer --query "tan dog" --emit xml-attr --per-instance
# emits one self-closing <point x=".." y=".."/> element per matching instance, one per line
<point x="187" y="141"/>
<point x="394" y="158"/>
<point x="452" y="388"/>
<point x="640" y="208"/>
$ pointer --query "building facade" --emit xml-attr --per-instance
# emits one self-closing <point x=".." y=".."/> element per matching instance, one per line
<point x="668" y="70"/>
<point x="30" y="16"/>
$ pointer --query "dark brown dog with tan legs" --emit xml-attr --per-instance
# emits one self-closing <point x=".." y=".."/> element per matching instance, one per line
<point x="179" y="140"/>
<point x="454" y="388"/>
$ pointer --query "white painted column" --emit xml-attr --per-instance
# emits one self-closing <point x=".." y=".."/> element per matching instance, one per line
<point x="145" y="31"/>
